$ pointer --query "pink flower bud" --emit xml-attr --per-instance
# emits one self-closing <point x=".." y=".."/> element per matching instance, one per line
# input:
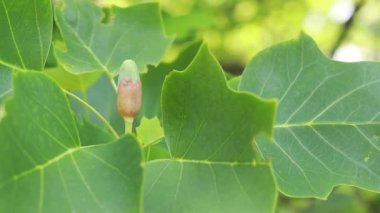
<point x="129" y="97"/>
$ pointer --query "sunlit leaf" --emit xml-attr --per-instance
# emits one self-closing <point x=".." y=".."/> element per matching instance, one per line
<point x="71" y="81"/>
<point x="150" y="131"/>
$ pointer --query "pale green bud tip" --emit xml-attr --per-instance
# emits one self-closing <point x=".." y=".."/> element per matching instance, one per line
<point x="129" y="69"/>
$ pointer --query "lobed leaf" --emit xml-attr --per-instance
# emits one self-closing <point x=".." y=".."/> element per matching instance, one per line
<point x="153" y="80"/>
<point x="93" y="43"/>
<point x="209" y="129"/>
<point x="44" y="163"/>
<point x="149" y="131"/>
<point x="328" y="119"/>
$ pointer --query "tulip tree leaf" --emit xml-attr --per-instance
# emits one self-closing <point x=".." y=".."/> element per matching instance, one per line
<point x="92" y="45"/>
<point x="209" y="129"/>
<point x="328" y="121"/>
<point x="26" y="32"/>
<point x="149" y="131"/>
<point x="153" y="80"/>
<point x="43" y="164"/>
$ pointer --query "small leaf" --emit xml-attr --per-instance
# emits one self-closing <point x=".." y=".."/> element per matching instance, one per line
<point x="149" y="131"/>
<point x="327" y="122"/>
<point x="44" y="168"/>
<point x="209" y="129"/>
<point x="92" y="45"/>
<point x="26" y="33"/>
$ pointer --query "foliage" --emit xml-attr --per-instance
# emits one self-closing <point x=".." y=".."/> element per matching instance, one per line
<point x="294" y="123"/>
<point x="327" y="119"/>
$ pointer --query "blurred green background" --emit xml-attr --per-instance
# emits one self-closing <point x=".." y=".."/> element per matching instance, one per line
<point x="236" y="30"/>
<point x="347" y="30"/>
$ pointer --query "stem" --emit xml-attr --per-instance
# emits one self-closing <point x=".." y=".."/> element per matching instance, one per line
<point x="128" y="125"/>
<point x="94" y="111"/>
<point x="346" y="27"/>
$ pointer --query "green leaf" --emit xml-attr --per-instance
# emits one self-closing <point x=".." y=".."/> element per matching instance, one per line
<point x="157" y="151"/>
<point x="45" y="168"/>
<point x="71" y="81"/>
<point x="328" y="121"/>
<point x="209" y="129"/>
<point x="92" y="45"/>
<point x="153" y="80"/>
<point x="202" y="186"/>
<point x="26" y="32"/>
<point x="5" y="82"/>
<point x="102" y="97"/>
<point x="340" y="202"/>
<point x="151" y="136"/>
<point x="149" y="131"/>
<point x="91" y="134"/>
<point x="234" y="82"/>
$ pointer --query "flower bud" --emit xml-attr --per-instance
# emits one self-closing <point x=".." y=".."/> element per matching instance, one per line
<point x="129" y="90"/>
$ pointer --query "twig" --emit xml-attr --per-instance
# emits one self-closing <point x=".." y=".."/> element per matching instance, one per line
<point x="346" y="27"/>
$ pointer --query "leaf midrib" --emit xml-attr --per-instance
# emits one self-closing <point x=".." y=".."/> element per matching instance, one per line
<point x="311" y="124"/>
<point x="207" y="162"/>
<point x="41" y="166"/>
<point x="56" y="159"/>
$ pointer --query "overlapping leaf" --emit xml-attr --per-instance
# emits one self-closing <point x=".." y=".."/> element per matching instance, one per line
<point x="153" y="80"/>
<point x="45" y="166"/>
<point x="150" y="131"/>
<point x="209" y="129"/>
<point x="328" y="121"/>
<point x="71" y="81"/>
<point x="93" y="43"/>
<point x="102" y="97"/>
<point x="26" y="31"/>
